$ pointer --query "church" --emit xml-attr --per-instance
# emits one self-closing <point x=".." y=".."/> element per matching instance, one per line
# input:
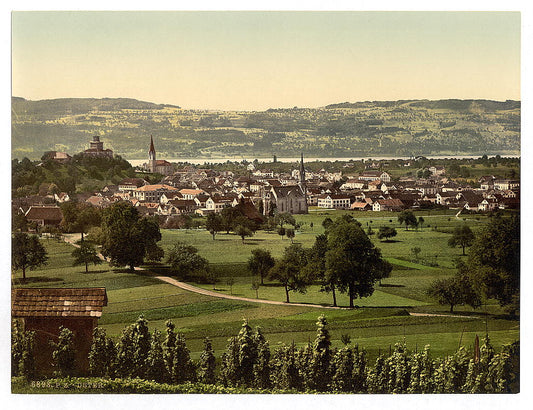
<point x="289" y="198"/>
<point x="159" y="166"/>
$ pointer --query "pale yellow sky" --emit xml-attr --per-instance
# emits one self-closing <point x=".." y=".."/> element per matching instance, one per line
<point x="260" y="60"/>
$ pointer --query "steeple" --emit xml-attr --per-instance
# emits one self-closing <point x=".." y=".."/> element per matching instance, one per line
<point x="302" y="170"/>
<point x="151" y="152"/>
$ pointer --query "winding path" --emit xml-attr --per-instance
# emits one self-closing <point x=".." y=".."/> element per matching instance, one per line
<point x="72" y="239"/>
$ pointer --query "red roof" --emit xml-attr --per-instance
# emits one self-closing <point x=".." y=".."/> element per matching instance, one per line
<point x="54" y="302"/>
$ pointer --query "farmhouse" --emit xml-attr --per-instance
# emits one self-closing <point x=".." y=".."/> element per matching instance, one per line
<point x="45" y="215"/>
<point x="45" y="310"/>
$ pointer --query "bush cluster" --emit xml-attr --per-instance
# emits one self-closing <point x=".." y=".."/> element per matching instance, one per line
<point x="147" y="362"/>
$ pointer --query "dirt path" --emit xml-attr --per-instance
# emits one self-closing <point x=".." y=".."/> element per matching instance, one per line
<point x="72" y="238"/>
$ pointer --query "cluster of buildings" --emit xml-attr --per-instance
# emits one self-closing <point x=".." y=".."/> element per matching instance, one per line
<point x="202" y="191"/>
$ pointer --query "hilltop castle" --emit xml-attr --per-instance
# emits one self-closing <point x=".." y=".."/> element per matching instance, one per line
<point x="159" y="166"/>
<point x="97" y="150"/>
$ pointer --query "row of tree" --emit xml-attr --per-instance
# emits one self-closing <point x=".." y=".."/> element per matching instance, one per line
<point x="492" y="269"/>
<point x="249" y="361"/>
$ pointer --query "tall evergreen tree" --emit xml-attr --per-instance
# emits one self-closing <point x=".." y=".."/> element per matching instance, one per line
<point x="155" y="361"/>
<point x="206" y="366"/>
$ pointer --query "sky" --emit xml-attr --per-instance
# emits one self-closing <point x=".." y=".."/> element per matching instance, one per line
<point x="255" y="60"/>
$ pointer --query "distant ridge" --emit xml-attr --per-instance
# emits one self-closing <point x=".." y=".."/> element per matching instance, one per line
<point x="449" y="104"/>
<point x="81" y="105"/>
<point x="360" y="129"/>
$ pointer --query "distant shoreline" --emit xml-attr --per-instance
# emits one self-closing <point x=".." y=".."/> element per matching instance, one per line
<point x="221" y="160"/>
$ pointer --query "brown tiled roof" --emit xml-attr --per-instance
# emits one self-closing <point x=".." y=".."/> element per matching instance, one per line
<point x="55" y="302"/>
<point x="50" y="213"/>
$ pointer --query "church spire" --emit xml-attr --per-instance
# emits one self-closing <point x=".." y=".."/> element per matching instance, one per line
<point x="302" y="170"/>
<point x="151" y="152"/>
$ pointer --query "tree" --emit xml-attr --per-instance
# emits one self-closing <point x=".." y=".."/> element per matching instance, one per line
<point x="260" y="263"/>
<point x="285" y="218"/>
<point x="229" y="215"/>
<point x="84" y="254"/>
<point x="243" y="231"/>
<point x="457" y="290"/>
<point x="494" y="261"/>
<point x="214" y="224"/>
<point x="353" y="259"/>
<point x="126" y="235"/>
<point x="155" y="361"/>
<point x="290" y="234"/>
<point x="408" y="218"/>
<point x="386" y="232"/>
<point x="316" y="266"/>
<point x="206" y="366"/>
<point x="462" y="236"/>
<point x="416" y="252"/>
<point x="27" y="252"/>
<point x="289" y="270"/>
<point x="327" y="222"/>
<point x="185" y="261"/>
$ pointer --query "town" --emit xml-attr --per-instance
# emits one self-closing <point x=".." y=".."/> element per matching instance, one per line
<point x="193" y="190"/>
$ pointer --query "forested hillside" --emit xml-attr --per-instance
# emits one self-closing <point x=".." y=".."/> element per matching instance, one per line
<point x="361" y="129"/>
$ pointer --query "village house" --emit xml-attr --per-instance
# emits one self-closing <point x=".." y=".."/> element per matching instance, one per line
<point x="152" y="193"/>
<point x="44" y="215"/>
<point x="437" y="170"/>
<point x="390" y="204"/>
<point x="334" y="201"/>
<point x="506" y="184"/>
<point x="45" y="310"/>
<point x="131" y="184"/>
<point x="353" y="183"/>
<point x="375" y="176"/>
<point x="360" y="206"/>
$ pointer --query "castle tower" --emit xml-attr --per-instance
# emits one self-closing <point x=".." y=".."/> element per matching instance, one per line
<point x="151" y="156"/>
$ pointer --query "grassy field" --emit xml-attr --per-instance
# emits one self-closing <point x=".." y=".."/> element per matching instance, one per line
<point x="381" y="320"/>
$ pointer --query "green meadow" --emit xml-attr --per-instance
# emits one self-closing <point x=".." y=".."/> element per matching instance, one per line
<point x="380" y="320"/>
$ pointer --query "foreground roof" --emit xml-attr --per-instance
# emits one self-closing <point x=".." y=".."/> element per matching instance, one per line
<point x="58" y="302"/>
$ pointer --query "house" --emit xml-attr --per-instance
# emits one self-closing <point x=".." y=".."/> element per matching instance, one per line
<point x="61" y="157"/>
<point x="471" y="199"/>
<point x="334" y="201"/>
<point x="437" y="171"/>
<point x="62" y="197"/>
<point x="44" y="215"/>
<point x="191" y="193"/>
<point x="506" y="184"/>
<point x="374" y="176"/>
<point x="445" y="197"/>
<point x="360" y="206"/>
<point x="353" y="183"/>
<point x="45" y="310"/>
<point x="488" y="204"/>
<point x="217" y="204"/>
<point x="131" y="184"/>
<point x="152" y="193"/>
<point x="428" y="189"/>
<point x="391" y="204"/>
